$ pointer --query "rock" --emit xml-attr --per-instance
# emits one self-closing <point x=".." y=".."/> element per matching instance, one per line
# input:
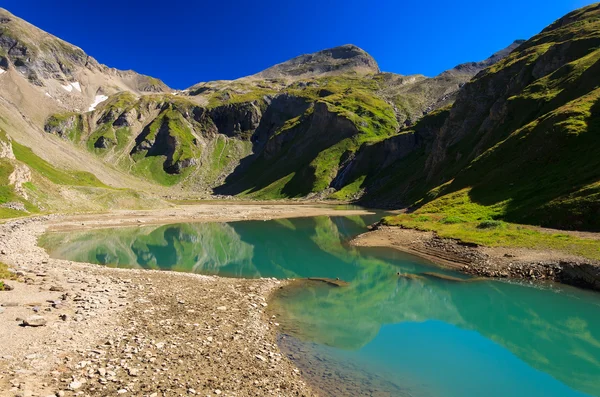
<point x="75" y="385"/>
<point x="261" y="358"/>
<point x="55" y="288"/>
<point x="35" y="321"/>
<point x="222" y="308"/>
<point x="217" y="391"/>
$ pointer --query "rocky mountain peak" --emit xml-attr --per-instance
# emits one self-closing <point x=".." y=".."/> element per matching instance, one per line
<point x="338" y="60"/>
<point x="475" y="67"/>
<point x="60" y="71"/>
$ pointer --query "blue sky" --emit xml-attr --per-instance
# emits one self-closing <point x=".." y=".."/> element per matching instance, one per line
<point x="184" y="42"/>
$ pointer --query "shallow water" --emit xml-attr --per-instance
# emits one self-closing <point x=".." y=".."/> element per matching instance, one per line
<point x="383" y="334"/>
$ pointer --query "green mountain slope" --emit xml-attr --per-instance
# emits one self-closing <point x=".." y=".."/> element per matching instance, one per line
<point x="521" y="140"/>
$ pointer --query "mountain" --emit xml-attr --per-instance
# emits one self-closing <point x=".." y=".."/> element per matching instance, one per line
<point x="521" y="139"/>
<point x="344" y="59"/>
<point x="284" y="132"/>
<point x="323" y="125"/>
<point x="64" y="71"/>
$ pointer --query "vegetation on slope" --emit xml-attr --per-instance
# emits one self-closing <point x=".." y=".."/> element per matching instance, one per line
<point x="532" y="158"/>
<point x="45" y="169"/>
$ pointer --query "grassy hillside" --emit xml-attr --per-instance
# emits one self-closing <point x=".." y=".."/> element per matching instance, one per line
<point x="521" y="141"/>
<point x="39" y="187"/>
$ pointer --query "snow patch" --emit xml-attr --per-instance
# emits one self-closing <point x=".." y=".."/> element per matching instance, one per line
<point x="2" y="71"/>
<point x="68" y="87"/>
<point x="48" y="95"/>
<point x="99" y="99"/>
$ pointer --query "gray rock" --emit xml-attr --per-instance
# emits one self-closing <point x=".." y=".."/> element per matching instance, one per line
<point x="35" y="321"/>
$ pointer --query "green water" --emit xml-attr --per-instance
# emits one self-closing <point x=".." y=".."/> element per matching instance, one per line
<point x="384" y="334"/>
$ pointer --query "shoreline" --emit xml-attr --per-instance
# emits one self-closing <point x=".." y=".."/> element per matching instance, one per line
<point x="116" y="331"/>
<point x="128" y="331"/>
<point x="194" y="213"/>
<point x="481" y="261"/>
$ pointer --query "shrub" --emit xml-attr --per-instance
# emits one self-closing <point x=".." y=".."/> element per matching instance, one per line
<point x="451" y="220"/>
<point x="490" y="224"/>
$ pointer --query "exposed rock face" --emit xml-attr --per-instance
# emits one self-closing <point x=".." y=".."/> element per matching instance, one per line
<point x="103" y="143"/>
<point x="6" y="151"/>
<point x="62" y="125"/>
<point x="343" y="59"/>
<point x="127" y="118"/>
<point x="236" y="119"/>
<point x="321" y="129"/>
<point x="20" y="175"/>
<point x="372" y="158"/>
<point x="280" y="109"/>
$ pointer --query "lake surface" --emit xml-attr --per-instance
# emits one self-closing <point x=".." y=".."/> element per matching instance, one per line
<point x="384" y="334"/>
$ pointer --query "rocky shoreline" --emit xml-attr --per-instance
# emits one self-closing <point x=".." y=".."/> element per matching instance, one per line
<point x="497" y="262"/>
<point x="133" y="332"/>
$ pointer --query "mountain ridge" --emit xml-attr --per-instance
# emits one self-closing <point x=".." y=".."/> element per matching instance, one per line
<point x="323" y="125"/>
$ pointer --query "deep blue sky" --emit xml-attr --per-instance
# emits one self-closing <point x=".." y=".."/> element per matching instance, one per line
<point x="184" y="42"/>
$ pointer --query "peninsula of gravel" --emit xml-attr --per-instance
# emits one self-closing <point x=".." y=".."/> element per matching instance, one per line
<point x="519" y="263"/>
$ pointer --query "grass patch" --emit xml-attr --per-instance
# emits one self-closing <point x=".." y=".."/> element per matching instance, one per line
<point x="457" y="216"/>
<point x="350" y="191"/>
<point x="72" y="178"/>
<point x="152" y="168"/>
<point x="5" y="274"/>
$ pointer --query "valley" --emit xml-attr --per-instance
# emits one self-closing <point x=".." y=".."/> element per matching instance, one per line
<point x="282" y="232"/>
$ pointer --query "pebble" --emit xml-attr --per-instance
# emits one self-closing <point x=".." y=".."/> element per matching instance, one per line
<point x="75" y="385"/>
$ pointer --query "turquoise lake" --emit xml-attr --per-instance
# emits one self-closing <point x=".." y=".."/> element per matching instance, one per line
<point x="384" y="334"/>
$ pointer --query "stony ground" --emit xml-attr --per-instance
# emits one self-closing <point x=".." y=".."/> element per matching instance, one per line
<point x="495" y="262"/>
<point x="79" y="329"/>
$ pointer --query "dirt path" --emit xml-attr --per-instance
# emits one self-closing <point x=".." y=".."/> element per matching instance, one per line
<point x="134" y="332"/>
<point x="498" y="262"/>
